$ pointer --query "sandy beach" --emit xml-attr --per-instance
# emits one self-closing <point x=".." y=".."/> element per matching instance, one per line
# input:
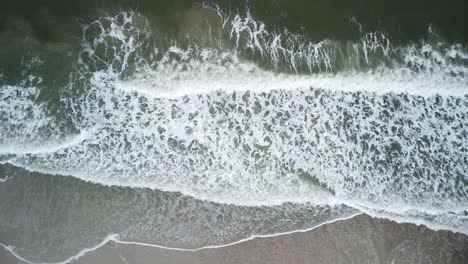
<point x="361" y="239"/>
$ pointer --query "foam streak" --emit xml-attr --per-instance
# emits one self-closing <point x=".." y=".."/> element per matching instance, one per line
<point x="115" y="238"/>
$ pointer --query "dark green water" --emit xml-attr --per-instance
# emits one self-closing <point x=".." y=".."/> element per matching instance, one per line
<point x="189" y="123"/>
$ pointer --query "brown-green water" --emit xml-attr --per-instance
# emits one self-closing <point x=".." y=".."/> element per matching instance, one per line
<point x="189" y="124"/>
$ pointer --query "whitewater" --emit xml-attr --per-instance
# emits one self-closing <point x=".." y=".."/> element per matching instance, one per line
<point x="249" y="117"/>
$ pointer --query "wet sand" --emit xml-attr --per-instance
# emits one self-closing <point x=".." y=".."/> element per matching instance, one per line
<point x="361" y="239"/>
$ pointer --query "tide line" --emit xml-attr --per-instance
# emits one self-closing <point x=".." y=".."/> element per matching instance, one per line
<point x="6" y="179"/>
<point x="115" y="238"/>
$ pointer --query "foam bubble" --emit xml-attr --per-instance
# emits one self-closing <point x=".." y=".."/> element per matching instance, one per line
<point x="210" y="124"/>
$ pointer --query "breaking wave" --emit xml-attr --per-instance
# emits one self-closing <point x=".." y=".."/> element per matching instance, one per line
<point x="240" y="113"/>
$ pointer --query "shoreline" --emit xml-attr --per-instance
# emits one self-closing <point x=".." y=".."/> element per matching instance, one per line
<point x="114" y="238"/>
<point x="355" y="238"/>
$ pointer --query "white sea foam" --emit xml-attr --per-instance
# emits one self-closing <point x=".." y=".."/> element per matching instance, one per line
<point x="71" y="259"/>
<point x="7" y="178"/>
<point x="44" y="147"/>
<point x="210" y="124"/>
<point x="22" y="119"/>
<point x="198" y="132"/>
<point x="250" y="78"/>
<point x="115" y="238"/>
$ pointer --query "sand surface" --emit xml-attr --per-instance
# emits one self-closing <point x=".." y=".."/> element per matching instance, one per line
<point x="361" y="239"/>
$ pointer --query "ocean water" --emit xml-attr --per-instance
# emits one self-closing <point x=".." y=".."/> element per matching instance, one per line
<point x="190" y="124"/>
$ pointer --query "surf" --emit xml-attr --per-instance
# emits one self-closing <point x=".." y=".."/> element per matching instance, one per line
<point x="235" y="111"/>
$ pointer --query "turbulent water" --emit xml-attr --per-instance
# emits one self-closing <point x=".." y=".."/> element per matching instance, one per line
<point x="194" y="124"/>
